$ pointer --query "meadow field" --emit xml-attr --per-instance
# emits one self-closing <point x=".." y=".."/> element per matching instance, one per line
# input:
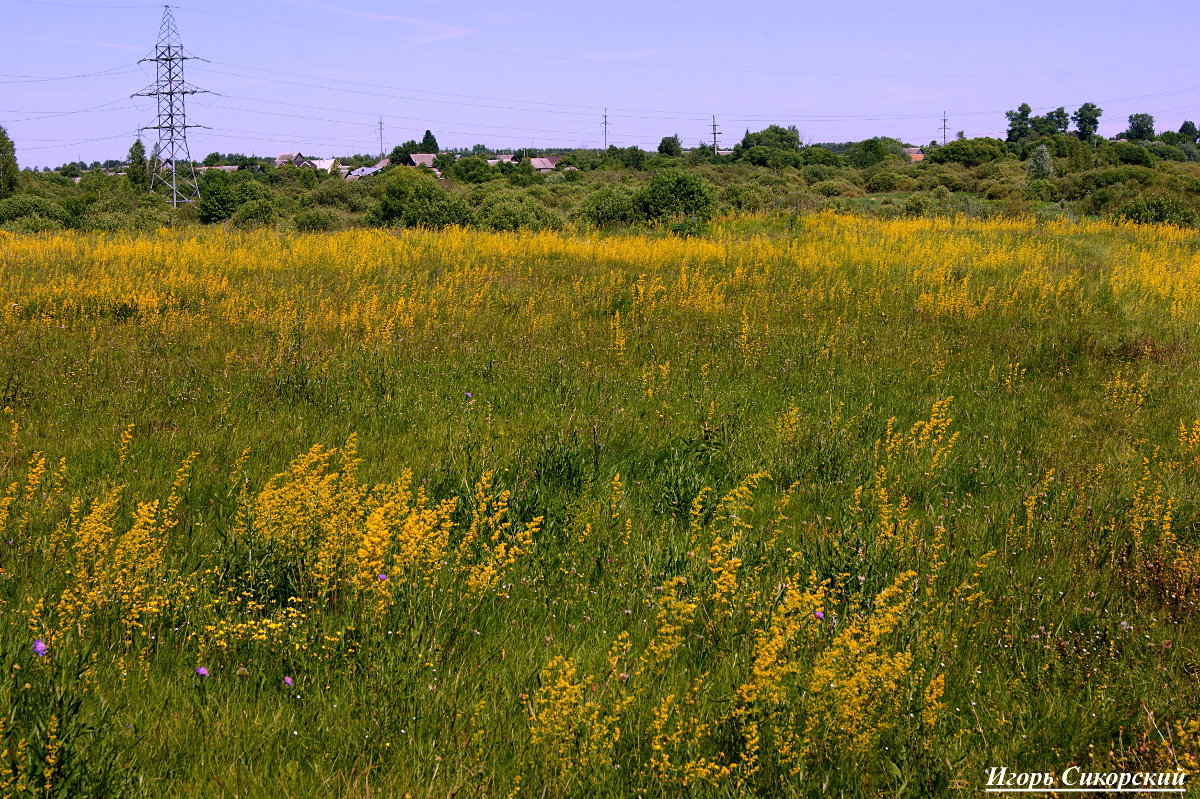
<point x="806" y="505"/>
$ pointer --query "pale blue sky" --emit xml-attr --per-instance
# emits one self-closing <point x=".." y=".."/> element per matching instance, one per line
<point x="315" y="76"/>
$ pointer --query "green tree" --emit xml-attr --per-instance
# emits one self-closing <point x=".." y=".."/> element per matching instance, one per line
<point x="8" y="165"/>
<point x="1052" y="123"/>
<point x="1020" y="127"/>
<point x="871" y="151"/>
<point x="401" y="151"/>
<point x="676" y="195"/>
<point x="212" y="159"/>
<point x="413" y="198"/>
<point x="968" y="152"/>
<point x="780" y="138"/>
<point x="671" y="146"/>
<point x="1040" y="165"/>
<point x="472" y="169"/>
<point x="429" y="143"/>
<point x="1087" y="120"/>
<point x="1141" y="127"/>
<point x="136" y="171"/>
<point x="1189" y="131"/>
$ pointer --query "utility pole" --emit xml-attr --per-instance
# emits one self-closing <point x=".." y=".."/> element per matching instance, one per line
<point x="714" y="132"/>
<point x="606" y="129"/>
<point x="945" y="128"/>
<point x="171" y="89"/>
<point x="381" y="138"/>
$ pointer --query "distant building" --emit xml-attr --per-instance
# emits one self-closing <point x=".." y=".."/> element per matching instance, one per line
<point x="421" y="159"/>
<point x="546" y="164"/>
<point x="502" y="158"/>
<point x="914" y="154"/>
<point x="201" y="169"/>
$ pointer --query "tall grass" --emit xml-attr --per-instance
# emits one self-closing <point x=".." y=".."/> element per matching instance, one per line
<point x="820" y="505"/>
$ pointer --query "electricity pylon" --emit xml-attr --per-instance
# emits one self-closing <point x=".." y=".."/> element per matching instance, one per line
<point x="172" y="170"/>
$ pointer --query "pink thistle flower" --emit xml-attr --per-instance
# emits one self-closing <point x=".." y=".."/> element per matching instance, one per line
<point x="201" y="671"/>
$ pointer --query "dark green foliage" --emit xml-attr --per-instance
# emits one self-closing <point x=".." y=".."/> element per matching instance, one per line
<point x="1052" y="123"/>
<point x="820" y="156"/>
<point x="30" y="205"/>
<point x="888" y="181"/>
<point x="1087" y="120"/>
<point x="871" y="151"/>
<point x="516" y="211"/>
<point x="1041" y="189"/>
<point x="8" y="165"/>
<point x="609" y="206"/>
<point x="969" y="152"/>
<point x="473" y="169"/>
<point x="315" y="220"/>
<point x="670" y="146"/>
<point x="353" y="196"/>
<point x="775" y="136"/>
<point x="1020" y="126"/>
<point x="835" y="188"/>
<point x="676" y="195"/>
<point x="771" y="157"/>
<point x="413" y="198"/>
<point x="1158" y="210"/>
<point x="136" y="170"/>
<point x="399" y="154"/>
<point x="1141" y="127"/>
<point x="1119" y="152"/>
<point x="429" y="143"/>
<point x="745" y="197"/>
<point x="223" y="193"/>
<point x="256" y="213"/>
<point x="1165" y="151"/>
<point x="444" y="162"/>
<point x="1189" y="131"/>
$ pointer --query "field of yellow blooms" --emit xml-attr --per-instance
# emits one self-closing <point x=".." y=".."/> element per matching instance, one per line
<point x="820" y="505"/>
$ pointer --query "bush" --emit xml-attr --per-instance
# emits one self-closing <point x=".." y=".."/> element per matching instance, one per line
<point x="1041" y="190"/>
<point x="1158" y="210"/>
<point x="315" y="220"/>
<point x="354" y="196"/>
<point x="1124" y="153"/>
<point x="32" y="223"/>
<point x="473" y="169"/>
<point x="815" y="173"/>
<point x="22" y="205"/>
<point x="413" y="198"/>
<point x="888" y="181"/>
<point x="969" y="152"/>
<point x="255" y="213"/>
<point x="675" y="195"/>
<point x="918" y="204"/>
<point x="745" y="197"/>
<point x="516" y="212"/>
<point x="836" y="188"/>
<point x="611" y="205"/>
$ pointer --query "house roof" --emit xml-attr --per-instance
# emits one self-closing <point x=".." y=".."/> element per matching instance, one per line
<point x="422" y="159"/>
<point x="544" y="164"/>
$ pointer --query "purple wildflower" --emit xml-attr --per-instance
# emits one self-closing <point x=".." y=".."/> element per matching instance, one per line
<point x="39" y="648"/>
<point x="467" y="394"/>
<point x="382" y="577"/>
<point x="818" y="615"/>
<point x="288" y="681"/>
<point x="201" y="671"/>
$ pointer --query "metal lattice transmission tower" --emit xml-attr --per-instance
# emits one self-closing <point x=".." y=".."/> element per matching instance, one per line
<point x="171" y="169"/>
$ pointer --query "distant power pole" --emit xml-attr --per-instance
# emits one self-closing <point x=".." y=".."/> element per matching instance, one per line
<point x="606" y="129"/>
<point x="171" y="89"/>
<point x="945" y="128"/>
<point x="714" y="132"/>
<point x="381" y="138"/>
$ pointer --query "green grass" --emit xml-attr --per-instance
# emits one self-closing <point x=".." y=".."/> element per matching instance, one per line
<point x="1081" y="647"/>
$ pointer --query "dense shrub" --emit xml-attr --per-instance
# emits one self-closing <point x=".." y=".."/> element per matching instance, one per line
<point x="354" y="196"/>
<point x="315" y="220"/>
<point x="888" y="181"/>
<point x="1158" y="210"/>
<point x="413" y="198"/>
<point x="611" y="205"/>
<point x="745" y="197"/>
<point x="918" y="204"/>
<point x="256" y="213"/>
<point x="1042" y="190"/>
<point x="23" y="205"/>
<point x="513" y="211"/>
<point x="968" y="152"/>
<point x="1119" y="152"/>
<point x="836" y="188"/>
<point x="675" y="195"/>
